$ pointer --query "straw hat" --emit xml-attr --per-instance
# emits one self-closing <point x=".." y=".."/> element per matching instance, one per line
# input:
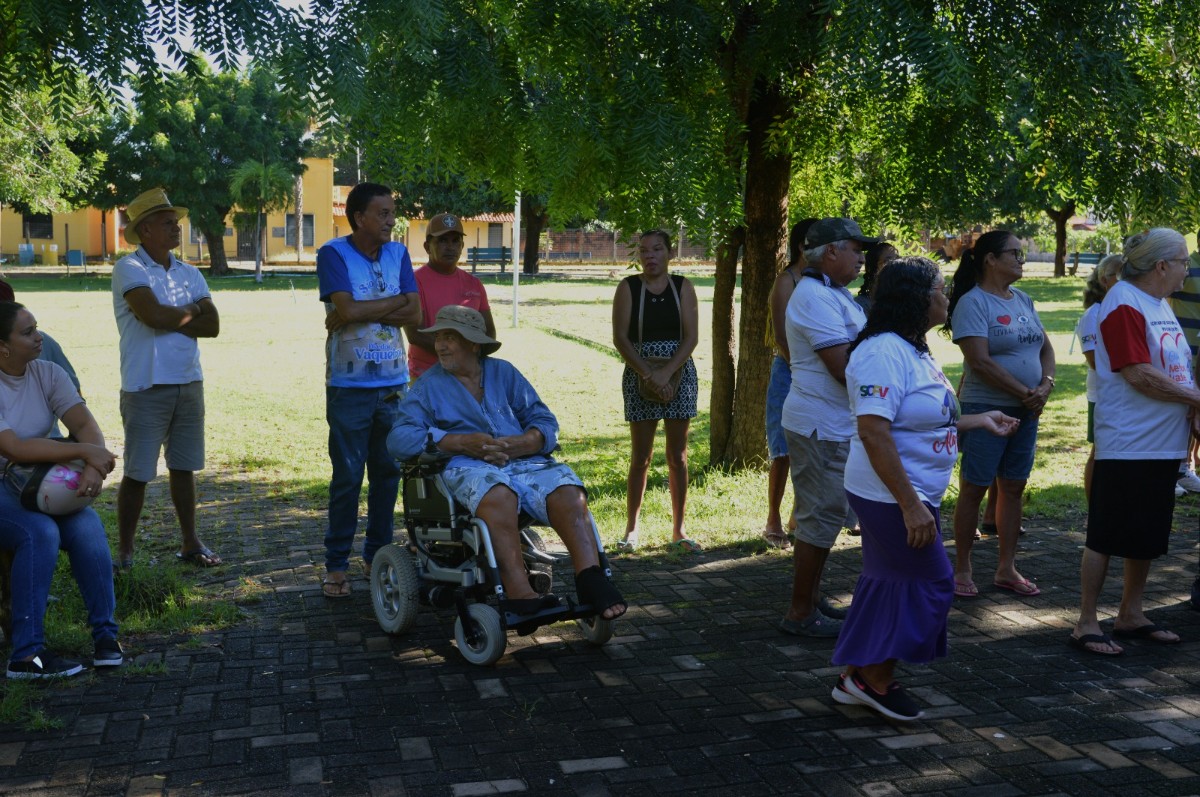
<point x="466" y="322"/>
<point x="149" y="202"/>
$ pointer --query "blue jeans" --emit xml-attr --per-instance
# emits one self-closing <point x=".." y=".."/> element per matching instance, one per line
<point x="36" y="540"/>
<point x="359" y="422"/>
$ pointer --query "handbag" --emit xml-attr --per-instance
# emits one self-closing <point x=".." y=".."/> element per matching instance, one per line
<point x="645" y="390"/>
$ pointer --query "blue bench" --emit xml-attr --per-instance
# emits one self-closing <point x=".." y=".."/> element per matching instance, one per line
<point x="483" y="255"/>
<point x="1090" y="258"/>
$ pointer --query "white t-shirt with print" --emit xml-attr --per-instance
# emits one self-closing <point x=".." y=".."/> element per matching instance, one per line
<point x="1137" y="328"/>
<point x="889" y="378"/>
<point x="820" y="314"/>
<point x="1086" y="331"/>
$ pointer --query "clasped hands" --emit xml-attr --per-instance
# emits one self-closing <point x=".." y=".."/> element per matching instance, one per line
<point x="492" y="450"/>
<point x="659" y="380"/>
<point x="98" y="463"/>
<point x="1036" y="397"/>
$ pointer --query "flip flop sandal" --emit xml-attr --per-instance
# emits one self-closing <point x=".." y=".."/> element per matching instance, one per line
<point x="965" y="589"/>
<point x="777" y="539"/>
<point x="1081" y="643"/>
<point x="593" y="588"/>
<point x="335" y="589"/>
<point x="1022" y="586"/>
<point x="688" y="546"/>
<point x="630" y="543"/>
<point x="1147" y="633"/>
<point x="201" y="557"/>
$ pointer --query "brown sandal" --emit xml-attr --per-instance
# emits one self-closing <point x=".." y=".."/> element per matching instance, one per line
<point x="777" y="539"/>
<point x="335" y="589"/>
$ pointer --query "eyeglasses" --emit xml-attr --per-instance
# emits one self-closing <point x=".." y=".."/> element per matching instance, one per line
<point x="1182" y="260"/>
<point x="1018" y="254"/>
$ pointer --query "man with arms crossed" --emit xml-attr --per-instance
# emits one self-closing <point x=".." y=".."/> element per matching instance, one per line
<point x="366" y="281"/>
<point x="162" y="306"/>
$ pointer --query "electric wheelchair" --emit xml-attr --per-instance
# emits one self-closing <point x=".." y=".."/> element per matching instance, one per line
<point x="449" y="562"/>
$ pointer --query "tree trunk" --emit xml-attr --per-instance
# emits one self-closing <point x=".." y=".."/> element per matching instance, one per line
<point x="215" y="236"/>
<point x="768" y="173"/>
<point x="723" y="345"/>
<point x="1061" y="217"/>
<point x="299" y="217"/>
<point x="536" y="218"/>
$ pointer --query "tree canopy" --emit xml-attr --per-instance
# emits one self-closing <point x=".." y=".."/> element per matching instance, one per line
<point x="728" y="116"/>
<point x="192" y="134"/>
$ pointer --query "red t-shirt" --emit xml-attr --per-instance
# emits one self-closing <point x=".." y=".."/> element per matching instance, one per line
<point x="436" y="291"/>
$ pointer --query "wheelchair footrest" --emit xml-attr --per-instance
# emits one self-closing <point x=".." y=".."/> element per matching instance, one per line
<point x="525" y="625"/>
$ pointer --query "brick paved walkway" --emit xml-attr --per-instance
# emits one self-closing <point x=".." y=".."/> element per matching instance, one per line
<point x="697" y="694"/>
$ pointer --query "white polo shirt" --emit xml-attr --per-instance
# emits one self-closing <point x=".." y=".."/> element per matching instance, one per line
<point x="153" y="356"/>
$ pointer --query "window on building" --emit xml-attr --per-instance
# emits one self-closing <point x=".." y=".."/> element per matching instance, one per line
<point x="38" y="225"/>
<point x="291" y="230"/>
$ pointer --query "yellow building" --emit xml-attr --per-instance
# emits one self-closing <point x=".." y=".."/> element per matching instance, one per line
<point x="47" y="237"/>
<point x="488" y="230"/>
<point x="95" y="235"/>
<point x="279" y="228"/>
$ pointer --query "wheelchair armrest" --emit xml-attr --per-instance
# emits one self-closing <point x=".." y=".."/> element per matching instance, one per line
<point x="427" y="463"/>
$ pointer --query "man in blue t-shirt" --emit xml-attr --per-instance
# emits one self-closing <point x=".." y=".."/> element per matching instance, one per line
<point x="366" y="281"/>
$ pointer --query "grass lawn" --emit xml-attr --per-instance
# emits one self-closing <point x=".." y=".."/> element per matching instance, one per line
<point x="265" y="418"/>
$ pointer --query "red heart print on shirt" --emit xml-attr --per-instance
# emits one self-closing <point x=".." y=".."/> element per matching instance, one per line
<point x="1004" y="319"/>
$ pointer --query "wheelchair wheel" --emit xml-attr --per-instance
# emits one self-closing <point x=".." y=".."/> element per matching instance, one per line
<point x="484" y="642"/>
<point x="541" y="574"/>
<point x="394" y="589"/>
<point x="596" y="629"/>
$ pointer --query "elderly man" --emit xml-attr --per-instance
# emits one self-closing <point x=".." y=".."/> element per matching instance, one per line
<point x="162" y="306"/>
<point x="489" y="419"/>
<point x="822" y="321"/>
<point x="441" y="283"/>
<point x="366" y="281"/>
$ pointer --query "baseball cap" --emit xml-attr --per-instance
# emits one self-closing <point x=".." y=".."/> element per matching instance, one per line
<point x="835" y="228"/>
<point x="443" y="223"/>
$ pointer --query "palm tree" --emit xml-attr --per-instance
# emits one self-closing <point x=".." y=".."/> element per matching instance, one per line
<point x="264" y="187"/>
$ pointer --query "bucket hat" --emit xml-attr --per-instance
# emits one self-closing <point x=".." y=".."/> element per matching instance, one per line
<point x="466" y="322"/>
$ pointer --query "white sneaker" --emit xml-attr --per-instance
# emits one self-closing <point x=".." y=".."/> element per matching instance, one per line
<point x="1179" y="491"/>
<point x="1189" y="481"/>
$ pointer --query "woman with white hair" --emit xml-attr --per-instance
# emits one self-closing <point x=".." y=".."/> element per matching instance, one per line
<point x="1146" y="401"/>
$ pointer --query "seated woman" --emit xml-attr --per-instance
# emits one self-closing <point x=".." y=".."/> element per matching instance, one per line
<point x="33" y="395"/>
<point x="499" y="434"/>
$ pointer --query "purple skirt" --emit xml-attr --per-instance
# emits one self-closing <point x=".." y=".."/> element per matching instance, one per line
<point x="903" y="596"/>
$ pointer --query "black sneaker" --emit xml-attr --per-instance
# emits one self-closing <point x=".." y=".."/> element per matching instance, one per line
<point x="895" y="703"/>
<point x="108" y="653"/>
<point x="44" y="665"/>
<point x="841" y="694"/>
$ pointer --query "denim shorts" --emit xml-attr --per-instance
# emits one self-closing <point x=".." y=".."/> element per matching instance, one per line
<point x="986" y="456"/>
<point x="531" y="479"/>
<point x="777" y="391"/>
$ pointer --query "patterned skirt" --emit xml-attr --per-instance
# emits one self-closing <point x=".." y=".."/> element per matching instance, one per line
<point x="684" y="403"/>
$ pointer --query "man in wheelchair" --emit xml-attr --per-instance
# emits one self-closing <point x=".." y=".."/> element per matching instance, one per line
<point x="487" y="417"/>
